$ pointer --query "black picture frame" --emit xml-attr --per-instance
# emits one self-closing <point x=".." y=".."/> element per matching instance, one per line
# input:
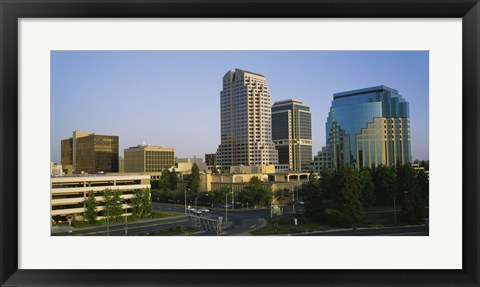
<point x="11" y="11"/>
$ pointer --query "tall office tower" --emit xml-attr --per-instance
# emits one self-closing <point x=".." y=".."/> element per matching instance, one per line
<point x="67" y="152"/>
<point x="292" y="133"/>
<point x="90" y="153"/>
<point x="148" y="158"/>
<point x="246" y="128"/>
<point x="369" y="127"/>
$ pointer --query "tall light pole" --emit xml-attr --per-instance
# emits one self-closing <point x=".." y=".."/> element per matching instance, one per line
<point x="233" y="199"/>
<point x="271" y="205"/>
<point x="204" y="194"/>
<point x="126" y="220"/>
<point x="394" y="208"/>
<point x="293" y="200"/>
<point x="226" y="208"/>
<point x="185" y="191"/>
<point x="108" y="222"/>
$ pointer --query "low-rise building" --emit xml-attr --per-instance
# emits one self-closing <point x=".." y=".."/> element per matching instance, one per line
<point x="56" y="169"/>
<point x="253" y="169"/>
<point x="184" y="165"/>
<point x="68" y="193"/>
<point x="237" y="181"/>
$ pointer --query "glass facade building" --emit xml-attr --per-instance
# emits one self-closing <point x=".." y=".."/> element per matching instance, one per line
<point x="369" y="127"/>
<point x="90" y="153"/>
<point x="292" y="133"/>
<point x="246" y="127"/>
<point x="95" y="153"/>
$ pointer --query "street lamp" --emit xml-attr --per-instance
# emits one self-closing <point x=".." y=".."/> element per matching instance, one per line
<point x="233" y="199"/>
<point x="226" y="209"/>
<point x="108" y="221"/>
<point x="394" y="208"/>
<point x="185" y="191"/>
<point x="204" y="194"/>
<point x="126" y="220"/>
<point x="271" y="205"/>
<point x="293" y="201"/>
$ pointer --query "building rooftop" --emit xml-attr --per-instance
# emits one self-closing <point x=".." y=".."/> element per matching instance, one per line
<point x="289" y="101"/>
<point x="380" y="88"/>
<point x="245" y="71"/>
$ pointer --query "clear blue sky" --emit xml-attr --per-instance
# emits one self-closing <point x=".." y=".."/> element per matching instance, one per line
<point x="172" y="98"/>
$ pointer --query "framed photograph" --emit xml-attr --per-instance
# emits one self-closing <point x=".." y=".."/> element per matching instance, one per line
<point x="342" y="135"/>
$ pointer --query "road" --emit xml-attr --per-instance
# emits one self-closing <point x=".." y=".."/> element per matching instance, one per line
<point x="418" y="230"/>
<point x="134" y="228"/>
<point x="239" y="223"/>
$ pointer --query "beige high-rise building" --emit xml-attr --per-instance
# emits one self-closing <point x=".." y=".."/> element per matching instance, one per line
<point x="148" y="158"/>
<point x="246" y="127"/>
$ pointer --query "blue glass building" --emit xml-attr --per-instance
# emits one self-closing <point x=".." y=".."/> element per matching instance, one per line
<point x="368" y="127"/>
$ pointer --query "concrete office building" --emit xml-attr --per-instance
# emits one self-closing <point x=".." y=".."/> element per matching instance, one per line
<point x="68" y="193"/>
<point x="184" y="165"/>
<point x="148" y="158"/>
<point x="246" y="127"/>
<point x="292" y="133"/>
<point x="369" y="127"/>
<point x="90" y="153"/>
<point x="237" y="181"/>
<point x="56" y="169"/>
<point x="322" y="160"/>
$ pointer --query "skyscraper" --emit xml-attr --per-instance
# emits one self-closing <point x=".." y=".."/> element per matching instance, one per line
<point x="369" y="127"/>
<point x="292" y="133"/>
<point x="246" y="128"/>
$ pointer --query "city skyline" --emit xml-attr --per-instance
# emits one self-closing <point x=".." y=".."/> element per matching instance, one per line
<point x="172" y="98"/>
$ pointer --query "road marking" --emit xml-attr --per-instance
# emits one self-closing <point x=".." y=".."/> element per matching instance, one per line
<point x="253" y="226"/>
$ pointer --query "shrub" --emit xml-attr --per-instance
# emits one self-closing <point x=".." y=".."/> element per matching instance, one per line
<point x="80" y="224"/>
<point x="336" y="218"/>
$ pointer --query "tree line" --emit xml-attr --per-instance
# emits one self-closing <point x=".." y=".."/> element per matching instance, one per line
<point x="353" y="190"/>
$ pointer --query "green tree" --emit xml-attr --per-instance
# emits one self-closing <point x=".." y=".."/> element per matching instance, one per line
<point x="155" y="184"/>
<point x="423" y="184"/>
<point x="165" y="180"/>
<point x="386" y="185"/>
<point x="194" y="178"/>
<point x="113" y="203"/>
<point x="218" y="196"/>
<point x="312" y="198"/>
<point x="328" y="183"/>
<point x="147" y="202"/>
<point x="142" y="203"/>
<point x="173" y="179"/>
<point x="412" y="204"/>
<point x="91" y="207"/>
<point x="254" y="193"/>
<point x="367" y="187"/>
<point x="349" y="201"/>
